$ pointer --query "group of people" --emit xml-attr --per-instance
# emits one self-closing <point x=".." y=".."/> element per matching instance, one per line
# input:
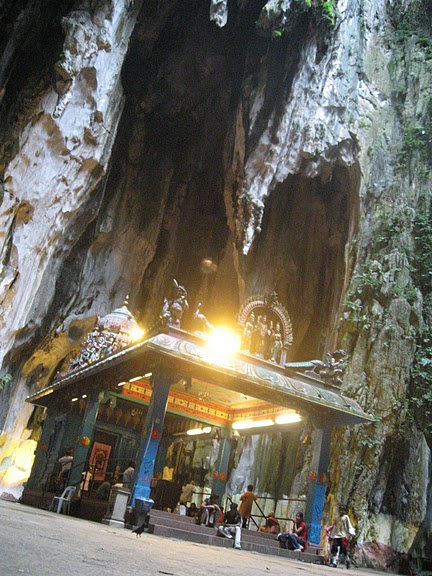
<point x="230" y="521"/>
<point x="104" y="489"/>
<point x="340" y="533"/>
<point x="210" y="513"/>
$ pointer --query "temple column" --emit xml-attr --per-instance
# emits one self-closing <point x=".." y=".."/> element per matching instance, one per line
<point x="221" y="467"/>
<point x="162" y="381"/>
<point x="317" y="484"/>
<point x="86" y="431"/>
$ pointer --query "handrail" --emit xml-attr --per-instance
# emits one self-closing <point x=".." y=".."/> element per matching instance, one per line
<point x="262" y="514"/>
<point x="276" y="500"/>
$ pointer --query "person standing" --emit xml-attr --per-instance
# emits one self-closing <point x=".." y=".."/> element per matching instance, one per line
<point x="128" y="475"/>
<point x="341" y="535"/>
<point x="231" y="525"/>
<point x="187" y="493"/>
<point x="246" y="501"/>
<point x="66" y="466"/>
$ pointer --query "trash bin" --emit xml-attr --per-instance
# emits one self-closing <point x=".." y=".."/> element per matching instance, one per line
<point x="143" y="505"/>
<point x="142" y="509"/>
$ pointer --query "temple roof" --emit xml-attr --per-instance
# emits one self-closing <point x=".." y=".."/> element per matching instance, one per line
<point x="186" y="354"/>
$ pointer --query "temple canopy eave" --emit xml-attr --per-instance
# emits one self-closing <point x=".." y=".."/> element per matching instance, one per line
<point x="187" y="354"/>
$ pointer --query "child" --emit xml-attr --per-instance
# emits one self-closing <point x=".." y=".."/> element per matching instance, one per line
<point x="341" y="534"/>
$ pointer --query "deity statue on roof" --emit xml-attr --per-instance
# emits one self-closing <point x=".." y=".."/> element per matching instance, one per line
<point x="201" y="322"/>
<point x="333" y="367"/>
<point x="110" y="333"/>
<point x="276" y="345"/>
<point x="173" y="310"/>
<point x="266" y="328"/>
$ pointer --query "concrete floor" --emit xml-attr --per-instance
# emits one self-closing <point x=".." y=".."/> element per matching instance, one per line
<point x="43" y="543"/>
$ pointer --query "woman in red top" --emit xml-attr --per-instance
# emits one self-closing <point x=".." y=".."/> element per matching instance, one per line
<point x="297" y="539"/>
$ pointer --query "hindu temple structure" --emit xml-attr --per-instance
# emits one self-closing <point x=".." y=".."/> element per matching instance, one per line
<point x="175" y="397"/>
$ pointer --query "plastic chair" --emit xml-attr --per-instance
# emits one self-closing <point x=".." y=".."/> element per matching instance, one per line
<point x="63" y="502"/>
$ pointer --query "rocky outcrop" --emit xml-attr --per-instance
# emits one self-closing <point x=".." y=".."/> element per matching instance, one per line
<point x="288" y="143"/>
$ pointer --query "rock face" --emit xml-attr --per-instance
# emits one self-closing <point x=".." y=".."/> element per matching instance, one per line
<point x="287" y="142"/>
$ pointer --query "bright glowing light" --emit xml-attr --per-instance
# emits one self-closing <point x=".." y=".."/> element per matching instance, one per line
<point x="288" y="418"/>
<point x="21" y="461"/>
<point x="245" y="424"/>
<point x="136" y="334"/>
<point x="121" y="383"/>
<point x="74" y="400"/>
<point x="222" y="343"/>
<point x="135" y="379"/>
<point x="148" y="375"/>
<point x="196" y="431"/>
<point x="84" y="396"/>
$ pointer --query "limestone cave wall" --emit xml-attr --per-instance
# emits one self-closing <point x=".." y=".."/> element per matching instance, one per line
<point x="288" y="142"/>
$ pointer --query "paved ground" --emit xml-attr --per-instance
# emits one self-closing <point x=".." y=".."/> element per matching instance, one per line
<point x="43" y="543"/>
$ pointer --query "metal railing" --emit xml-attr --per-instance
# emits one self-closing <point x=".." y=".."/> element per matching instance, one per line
<point x="257" y="518"/>
<point x="276" y="502"/>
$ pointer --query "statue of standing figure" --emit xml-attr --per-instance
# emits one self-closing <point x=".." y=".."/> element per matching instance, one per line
<point x="173" y="310"/>
<point x="247" y="332"/>
<point x="255" y="346"/>
<point x="277" y="344"/>
<point x="267" y="341"/>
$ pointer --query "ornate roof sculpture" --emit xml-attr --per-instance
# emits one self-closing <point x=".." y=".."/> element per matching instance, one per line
<point x="108" y="360"/>
<point x="183" y="352"/>
<point x="110" y="334"/>
<point x="330" y="371"/>
<point x="266" y="328"/>
<point x="173" y="309"/>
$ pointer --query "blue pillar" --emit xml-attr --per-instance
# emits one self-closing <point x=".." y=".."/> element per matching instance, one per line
<point x="221" y="467"/>
<point x="86" y="431"/>
<point x="317" y="484"/>
<point x="150" y="441"/>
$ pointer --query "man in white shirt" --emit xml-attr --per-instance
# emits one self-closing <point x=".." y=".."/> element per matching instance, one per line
<point x="128" y="475"/>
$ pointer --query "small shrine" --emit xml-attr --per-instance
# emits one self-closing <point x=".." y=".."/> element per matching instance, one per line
<point x="266" y="328"/>
<point x="123" y="398"/>
<point x="110" y="334"/>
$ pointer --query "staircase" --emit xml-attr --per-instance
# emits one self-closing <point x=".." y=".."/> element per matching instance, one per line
<point x="185" y="528"/>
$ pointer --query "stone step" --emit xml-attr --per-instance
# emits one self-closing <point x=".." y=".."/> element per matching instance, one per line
<point x="169" y="516"/>
<point x="213" y="540"/>
<point x="247" y="535"/>
<point x="177" y="521"/>
<point x="185" y="528"/>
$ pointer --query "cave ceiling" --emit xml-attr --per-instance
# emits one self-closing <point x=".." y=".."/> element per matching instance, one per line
<point x="172" y="197"/>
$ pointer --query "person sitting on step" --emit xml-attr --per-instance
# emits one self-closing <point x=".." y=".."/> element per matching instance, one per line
<point x="231" y="525"/>
<point x="296" y="539"/>
<point x="209" y="511"/>
<point x="271" y="526"/>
